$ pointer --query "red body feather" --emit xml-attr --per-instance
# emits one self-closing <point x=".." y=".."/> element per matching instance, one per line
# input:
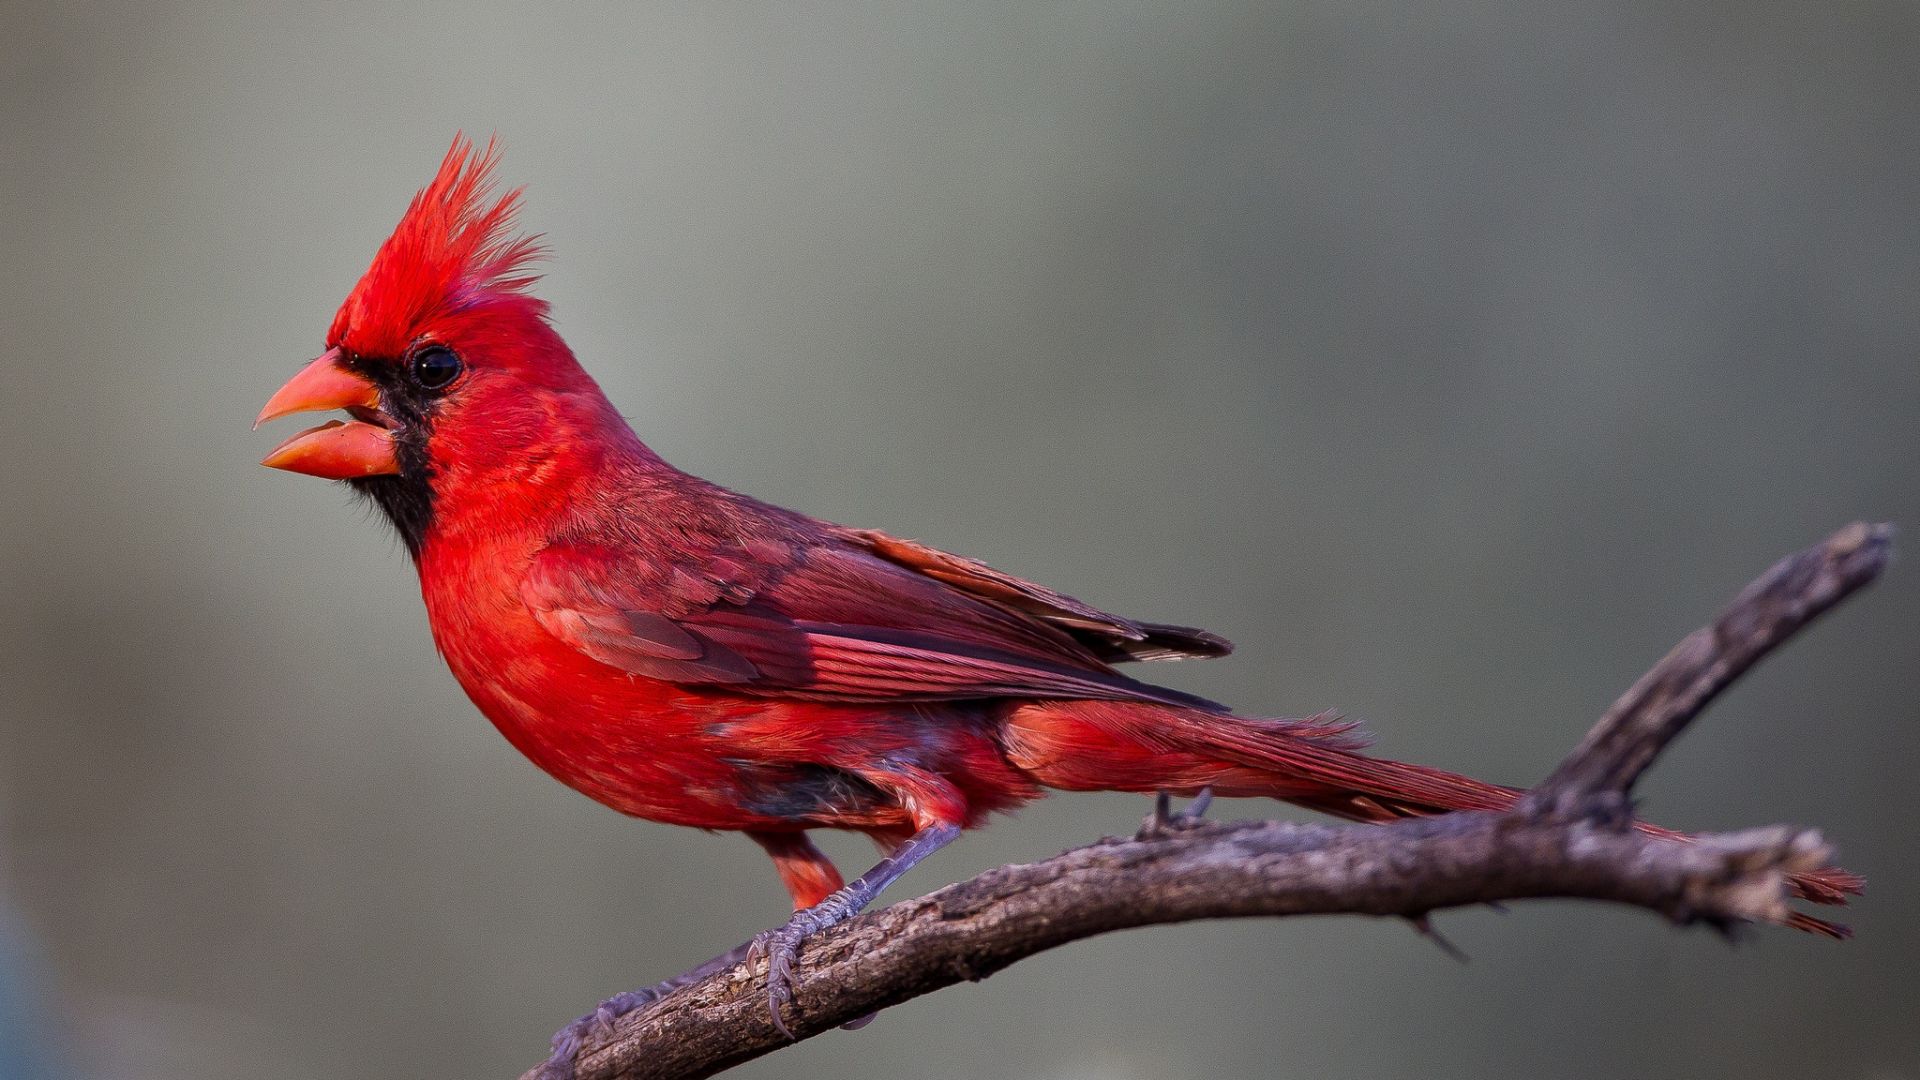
<point x="686" y="654"/>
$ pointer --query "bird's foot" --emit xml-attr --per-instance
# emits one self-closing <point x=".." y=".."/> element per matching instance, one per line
<point x="1164" y="820"/>
<point x="596" y="1026"/>
<point x="779" y="948"/>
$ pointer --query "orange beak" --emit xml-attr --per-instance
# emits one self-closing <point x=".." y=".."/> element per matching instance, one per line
<point x="337" y="449"/>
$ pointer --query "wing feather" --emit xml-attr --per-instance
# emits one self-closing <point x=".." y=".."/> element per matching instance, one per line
<point x="832" y="622"/>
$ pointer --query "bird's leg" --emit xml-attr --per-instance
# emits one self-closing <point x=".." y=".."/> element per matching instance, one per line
<point x="804" y="869"/>
<point x="1197" y="809"/>
<point x="1164" y="820"/>
<point x="781" y="946"/>
<point x="599" y="1023"/>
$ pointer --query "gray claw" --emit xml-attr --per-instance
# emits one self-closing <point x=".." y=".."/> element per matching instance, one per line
<point x="1164" y="819"/>
<point x="597" y="1025"/>
<point x="779" y="947"/>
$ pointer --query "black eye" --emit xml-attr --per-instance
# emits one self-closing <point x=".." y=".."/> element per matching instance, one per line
<point x="434" y="367"/>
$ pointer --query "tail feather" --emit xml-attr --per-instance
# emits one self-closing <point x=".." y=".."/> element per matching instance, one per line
<point x="1385" y="801"/>
<point x="1315" y="763"/>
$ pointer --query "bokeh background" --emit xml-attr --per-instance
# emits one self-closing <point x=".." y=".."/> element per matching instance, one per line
<point x="1454" y="359"/>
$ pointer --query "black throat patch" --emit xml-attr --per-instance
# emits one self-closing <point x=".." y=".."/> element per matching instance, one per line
<point x="406" y="498"/>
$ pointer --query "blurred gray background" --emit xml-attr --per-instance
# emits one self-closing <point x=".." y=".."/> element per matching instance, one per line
<point x="1453" y="359"/>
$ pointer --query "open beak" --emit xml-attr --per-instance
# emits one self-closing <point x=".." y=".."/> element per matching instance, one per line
<point x="337" y="449"/>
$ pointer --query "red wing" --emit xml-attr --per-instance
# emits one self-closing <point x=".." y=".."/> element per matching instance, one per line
<point x="1111" y="637"/>
<point x="825" y="623"/>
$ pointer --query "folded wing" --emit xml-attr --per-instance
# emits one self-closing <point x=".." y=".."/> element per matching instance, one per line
<point x="850" y="617"/>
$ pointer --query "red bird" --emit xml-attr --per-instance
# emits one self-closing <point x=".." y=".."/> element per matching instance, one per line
<point x="686" y="654"/>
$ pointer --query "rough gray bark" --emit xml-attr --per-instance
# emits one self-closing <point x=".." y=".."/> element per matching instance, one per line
<point x="1568" y="838"/>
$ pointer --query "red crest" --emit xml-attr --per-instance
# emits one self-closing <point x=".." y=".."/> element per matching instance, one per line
<point x="453" y="248"/>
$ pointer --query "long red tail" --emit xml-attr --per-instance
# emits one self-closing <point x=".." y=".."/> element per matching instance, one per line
<point x="1316" y="763"/>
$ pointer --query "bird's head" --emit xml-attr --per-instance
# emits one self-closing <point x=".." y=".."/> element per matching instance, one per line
<point x="453" y="380"/>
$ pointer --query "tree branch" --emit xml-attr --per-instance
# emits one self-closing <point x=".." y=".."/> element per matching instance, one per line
<point x="1792" y="593"/>
<point x="1566" y="839"/>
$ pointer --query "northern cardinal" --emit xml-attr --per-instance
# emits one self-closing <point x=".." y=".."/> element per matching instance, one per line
<point x="686" y="654"/>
